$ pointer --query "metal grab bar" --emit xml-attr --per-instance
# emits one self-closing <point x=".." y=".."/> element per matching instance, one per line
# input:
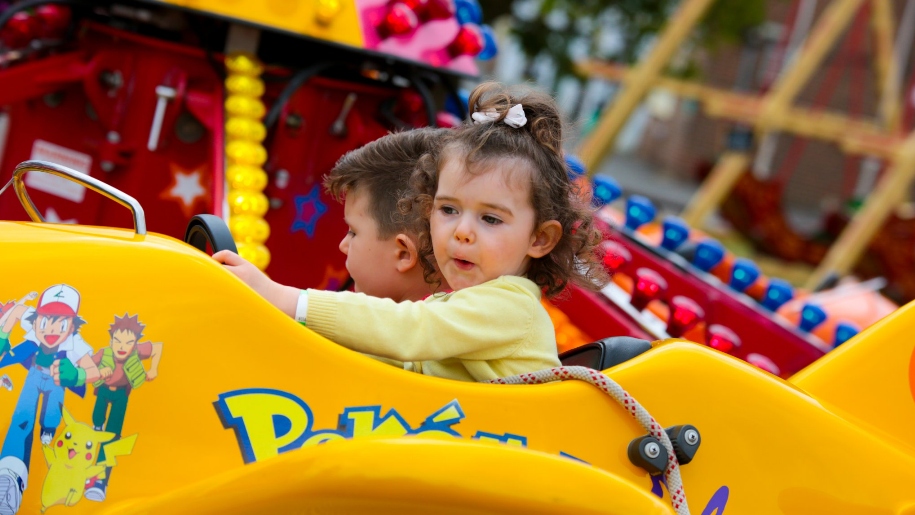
<point x="139" y="218"/>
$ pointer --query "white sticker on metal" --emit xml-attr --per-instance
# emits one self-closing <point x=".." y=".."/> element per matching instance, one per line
<point x="64" y="188"/>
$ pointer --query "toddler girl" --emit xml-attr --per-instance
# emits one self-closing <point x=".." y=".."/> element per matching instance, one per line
<point x="505" y="224"/>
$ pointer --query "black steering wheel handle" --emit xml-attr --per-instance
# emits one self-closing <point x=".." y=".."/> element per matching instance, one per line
<point x="203" y="229"/>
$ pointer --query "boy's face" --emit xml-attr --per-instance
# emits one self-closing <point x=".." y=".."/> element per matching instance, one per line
<point x="122" y="344"/>
<point x="52" y="331"/>
<point x="482" y="225"/>
<point x="372" y="262"/>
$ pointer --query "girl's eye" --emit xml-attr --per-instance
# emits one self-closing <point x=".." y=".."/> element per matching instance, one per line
<point x="491" y="220"/>
<point x="350" y="233"/>
<point x="448" y="210"/>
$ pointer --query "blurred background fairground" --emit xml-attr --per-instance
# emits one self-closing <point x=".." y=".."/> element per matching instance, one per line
<point x="789" y="181"/>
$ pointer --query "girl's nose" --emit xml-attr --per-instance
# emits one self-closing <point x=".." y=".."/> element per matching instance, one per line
<point x="464" y="232"/>
<point x="344" y="245"/>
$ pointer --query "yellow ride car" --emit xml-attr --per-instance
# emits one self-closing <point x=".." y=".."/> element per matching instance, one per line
<point x="203" y="398"/>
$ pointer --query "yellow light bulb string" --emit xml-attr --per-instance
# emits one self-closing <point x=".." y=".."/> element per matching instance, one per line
<point x="245" y="157"/>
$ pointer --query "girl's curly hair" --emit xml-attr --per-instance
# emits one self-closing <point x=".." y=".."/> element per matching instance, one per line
<point x="575" y="259"/>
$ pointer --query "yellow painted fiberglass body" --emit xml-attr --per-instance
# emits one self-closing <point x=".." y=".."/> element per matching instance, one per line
<point x="243" y="396"/>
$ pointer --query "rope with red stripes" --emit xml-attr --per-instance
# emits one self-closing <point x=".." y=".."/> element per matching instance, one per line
<point x="613" y="389"/>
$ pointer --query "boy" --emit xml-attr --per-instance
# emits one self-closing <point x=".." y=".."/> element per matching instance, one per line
<point x="380" y="246"/>
<point x="382" y="257"/>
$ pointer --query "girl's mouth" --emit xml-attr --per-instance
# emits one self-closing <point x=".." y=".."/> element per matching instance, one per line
<point x="463" y="264"/>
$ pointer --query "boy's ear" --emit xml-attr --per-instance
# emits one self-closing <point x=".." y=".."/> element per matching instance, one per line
<point x="407" y="254"/>
<point x="545" y="238"/>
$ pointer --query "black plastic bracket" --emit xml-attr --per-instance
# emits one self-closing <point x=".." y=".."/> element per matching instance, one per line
<point x="646" y="452"/>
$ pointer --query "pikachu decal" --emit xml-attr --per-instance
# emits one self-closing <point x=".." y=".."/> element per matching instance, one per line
<point x="72" y="461"/>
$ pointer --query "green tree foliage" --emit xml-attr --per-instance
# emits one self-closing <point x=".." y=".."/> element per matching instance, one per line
<point x="616" y="30"/>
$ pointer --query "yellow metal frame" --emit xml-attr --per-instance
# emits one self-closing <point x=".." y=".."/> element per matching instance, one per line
<point x="331" y="20"/>
<point x="773" y="111"/>
<point x="241" y="382"/>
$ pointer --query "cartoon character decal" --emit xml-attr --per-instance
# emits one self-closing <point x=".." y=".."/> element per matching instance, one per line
<point x="121" y="369"/>
<point x="74" y="460"/>
<point x="57" y="358"/>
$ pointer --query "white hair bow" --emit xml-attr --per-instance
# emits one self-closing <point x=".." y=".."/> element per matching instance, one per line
<point x="514" y="118"/>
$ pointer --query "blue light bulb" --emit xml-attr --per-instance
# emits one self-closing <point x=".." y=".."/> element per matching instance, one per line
<point x="574" y="167"/>
<point x="452" y="106"/>
<point x="811" y="316"/>
<point x="490" y="47"/>
<point x="675" y="232"/>
<point x="744" y="273"/>
<point x="844" y="332"/>
<point x="606" y="190"/>
<point x="468" y="11"/>
<point x="708" y="254"/>
<point x="777" y="293"/>
<point x="639" y="211"/>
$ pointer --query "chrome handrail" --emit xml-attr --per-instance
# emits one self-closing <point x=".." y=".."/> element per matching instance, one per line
<point x="139" y="218"/>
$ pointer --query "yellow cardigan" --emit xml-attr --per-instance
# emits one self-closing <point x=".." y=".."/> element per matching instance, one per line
<point x="495" y="329"/>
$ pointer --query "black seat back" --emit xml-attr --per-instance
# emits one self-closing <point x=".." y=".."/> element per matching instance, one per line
<point x="606" y="353"/>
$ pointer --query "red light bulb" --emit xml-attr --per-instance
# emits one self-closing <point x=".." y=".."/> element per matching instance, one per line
<point x="427" y="10"/>
<point x="684" y="314"/>
<point x="53" y="19"/>
<point x="469" y="41"/>
<point x="721" y="338"/>
<point x="649" y="285"/>
<point x="398" y="21"/>
<point x="616" y="256"/>
<point x="21" y="28"/>
<point x="439" y="10"/>
<point x="416" y="6"/>
<point x="760" y="361"/>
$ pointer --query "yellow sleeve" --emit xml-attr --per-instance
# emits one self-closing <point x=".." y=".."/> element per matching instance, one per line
<point x="484" y="322"/>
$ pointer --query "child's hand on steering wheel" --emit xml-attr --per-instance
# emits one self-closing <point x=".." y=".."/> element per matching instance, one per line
<point x="245" y="270"/>
<point x="283" y="297"/>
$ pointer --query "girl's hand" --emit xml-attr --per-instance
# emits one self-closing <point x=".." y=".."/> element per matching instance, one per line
<point x="283" y="297"/>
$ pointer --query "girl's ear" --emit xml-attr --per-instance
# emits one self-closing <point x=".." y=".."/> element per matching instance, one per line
<point x="545" y="238"/>
<point x="407" y="254"/>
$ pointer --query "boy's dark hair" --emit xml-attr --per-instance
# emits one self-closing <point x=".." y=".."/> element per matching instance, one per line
<point x="383" y="168"/>
<point x="554" y="196"/>
<point x="127" y="323"/>
<point x="77" y="321"/>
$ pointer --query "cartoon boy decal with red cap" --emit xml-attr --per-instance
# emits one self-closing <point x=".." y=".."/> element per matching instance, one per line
<point x="56" y="357"/>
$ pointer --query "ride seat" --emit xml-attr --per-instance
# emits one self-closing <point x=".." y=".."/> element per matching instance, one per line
<point x="606" y="353"/>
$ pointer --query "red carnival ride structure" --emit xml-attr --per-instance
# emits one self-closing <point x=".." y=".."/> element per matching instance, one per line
<point x="239" y="110"/>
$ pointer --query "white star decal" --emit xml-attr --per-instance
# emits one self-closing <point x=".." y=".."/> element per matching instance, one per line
<point x="51" y="216"/>
<point x="187" y="188"/>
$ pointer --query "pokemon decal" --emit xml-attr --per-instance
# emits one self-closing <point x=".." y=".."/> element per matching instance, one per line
<point x="74" y="460"/>
<point x="59" y="367"/>
<point x="269" y="422"/>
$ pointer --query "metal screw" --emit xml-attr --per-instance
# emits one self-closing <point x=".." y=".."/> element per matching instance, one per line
<point x="276" y="203"/>
<point x="294" y="121"/>
<point x="113" y="137"/>
<point x="111" y="79"/>
<point x="691" y="436"/>
<point x="106" y="166"/>
<point x="652" y="450"/>
<point x="282" y="179"/>
<point x="53" y="99"/>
